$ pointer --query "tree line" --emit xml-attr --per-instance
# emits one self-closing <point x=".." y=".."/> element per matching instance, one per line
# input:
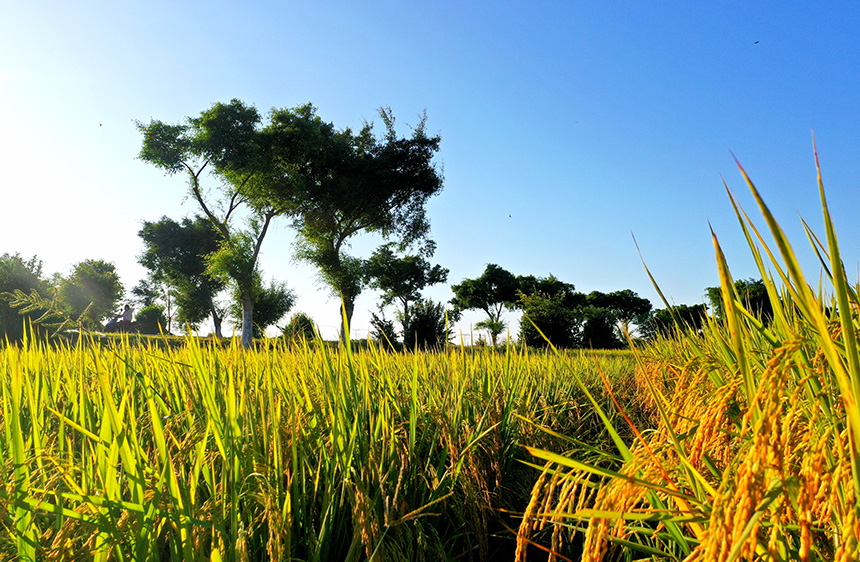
<point x="330" y="185"/>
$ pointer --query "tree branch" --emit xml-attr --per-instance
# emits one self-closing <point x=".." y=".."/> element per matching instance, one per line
<point x="195" y="190"/>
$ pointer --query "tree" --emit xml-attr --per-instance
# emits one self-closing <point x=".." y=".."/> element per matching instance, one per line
<point x="598" y="329"/>
<point x="227" y="141"/>
<point x="752" y="294"/>
<point x="667" y="321"/>
<point x="19" y="274"/>
<point x="402" y="279"/>
<point x="175" y="254"/>
<point x="270" y="305"/>
<point x="495" y="290"/>
<point x="91" y="291"/>
<point x="300" y="327"/>
<point x="428" y="326"/>
<point x="382" y="330"/>
<point x="552" y="306"/>
<point x="336" y="184"/>
<point x="623" y="307"/>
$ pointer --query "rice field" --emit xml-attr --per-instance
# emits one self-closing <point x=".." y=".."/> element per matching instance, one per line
<point x="754" y="450"/>
<point x="736" y="442"/>
<point x="116" y="451"/>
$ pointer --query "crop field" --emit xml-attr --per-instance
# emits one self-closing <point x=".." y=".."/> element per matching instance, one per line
<point x="738" y="441"/>
<point x="754" y="451"/>
<point x="129" y="452"/>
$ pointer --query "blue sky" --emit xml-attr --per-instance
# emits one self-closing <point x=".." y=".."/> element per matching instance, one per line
<point x="566" y="126"/>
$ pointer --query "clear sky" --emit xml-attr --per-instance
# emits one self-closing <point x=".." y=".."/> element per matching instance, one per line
<point x="565" y="125"/>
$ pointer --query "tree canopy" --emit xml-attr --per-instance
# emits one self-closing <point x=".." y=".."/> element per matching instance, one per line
<point x="751" y="293"/>
<point x="493" y="291"/>
<point x="227" y="141"/>
<point x="335" y="184"/>
<point x="401" y="279"/>
<point x="18" y="274"/>
<point x="175" y="253"/>
<point x="91" y="291"/>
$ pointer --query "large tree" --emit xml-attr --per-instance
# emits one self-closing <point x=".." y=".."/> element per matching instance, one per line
<point x="401" y="279"/>
<point x="667" y="321"/>
<point x="492" y="292"/>
<point x="336" y="184"/>
<point x="225" y="140"/>
<point x="175" y="254"/>
<point x="90" y="292"/>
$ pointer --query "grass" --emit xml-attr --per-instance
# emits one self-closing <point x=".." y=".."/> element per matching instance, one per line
<point x="754" y="455"/>
<point x="126" y="451"/>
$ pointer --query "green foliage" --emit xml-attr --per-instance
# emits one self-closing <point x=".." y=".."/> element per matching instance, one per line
<point x="550" y="286"/>
<point x="667" y="322"/>
<point x="91" y="291"/>
<point x="493" y="328"/>
<point x="175" y="256"/>
<point x="338" y="184"/>
<point x="231" y="261"/>
<point x="552" y="315"/>
<point x="598" y="329"/>
<point x="270" y="305"/>
<point x="428" y="326"/>
<point x="625" y="308"/>
<point x="382" y="331"/>
<point x="493" y="291"/>
<point x="571" y="319"/>
<point x="151" y="320"/>
<point x="227" y="140"/>
<point x="401" y="279"/>
<point x="751" y="293"/>
<point x="300" y="327"/>
<point x="18" y="274"/>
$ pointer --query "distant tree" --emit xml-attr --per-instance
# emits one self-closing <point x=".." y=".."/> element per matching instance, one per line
<point x="598" y="329"/>
<point x="551" y="316"/>
<point x="382" y="330"/>
<point x="18" y="274"/>
<point x="175" y="254"/>
<point x="401" y="280"/>
<point x="92" y="290"/>
<point x="492" y="292"/>
<point x="429" y="326"/>
<point x="225" y="140"/>
<point x="753" y="296"/>
<point x="666" y="321"/>
<point x="270" y="305"/>
<point x="625" y="307"/>
<point x="347" y="183"/>
<point x="551" y="306"/>
<point x="300" y="327"/>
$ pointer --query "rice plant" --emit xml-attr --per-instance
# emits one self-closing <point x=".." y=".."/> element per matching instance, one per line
<point x="754" y="455"/>
<point x="117" y="451"/>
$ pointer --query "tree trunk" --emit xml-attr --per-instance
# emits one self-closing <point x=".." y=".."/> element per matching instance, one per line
<point x="348" y="307"/>
<point x="216" y="319"/>
<point x="247" y="319"/>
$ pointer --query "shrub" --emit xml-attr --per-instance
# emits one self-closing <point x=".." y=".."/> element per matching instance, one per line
<point x="151" y="320"/>
<point x="300" y="326"/>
